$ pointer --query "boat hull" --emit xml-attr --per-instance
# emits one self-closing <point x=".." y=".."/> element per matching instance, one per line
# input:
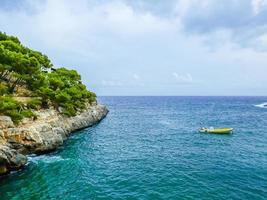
<point x="217" y="131"/>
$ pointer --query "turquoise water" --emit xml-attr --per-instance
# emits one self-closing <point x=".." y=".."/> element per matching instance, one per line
<point x="148" y="148"/>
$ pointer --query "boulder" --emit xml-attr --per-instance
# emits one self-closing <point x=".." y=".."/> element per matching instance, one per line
<point x="6" y="122"/>
<point x="10" y="159"/>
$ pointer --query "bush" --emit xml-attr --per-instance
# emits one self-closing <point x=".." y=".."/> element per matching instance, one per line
<point x="12" y="108"/>
<point x="3" y="89"/>
<point x="15" y="115"/>
<point x="63" y="88"/>
<point x="34" y="103"/>
<point x="8" y="103"/>
<point x="28" y="113"/>
<point x="69" y="110"/>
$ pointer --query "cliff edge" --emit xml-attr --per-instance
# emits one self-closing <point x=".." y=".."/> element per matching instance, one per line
<point x="42" y="135"/>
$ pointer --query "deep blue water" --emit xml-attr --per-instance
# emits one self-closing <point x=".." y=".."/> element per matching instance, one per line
<point x="148" y="148"/>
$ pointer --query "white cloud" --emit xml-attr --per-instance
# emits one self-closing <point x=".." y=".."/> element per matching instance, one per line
<point x="258" y="5"/>
<point x="206" y="17"/>
<point x="121" y="18"/>
<point x="64" y="22"/>
<point x="107" y="39"/>
<point x="183" y="78"/>
<point x="263" y="39"/>
<point x="122" y="83"/>
<point x="111" y="83"/>
<point x="136" y="76"/>
<point x="76" y="27"/>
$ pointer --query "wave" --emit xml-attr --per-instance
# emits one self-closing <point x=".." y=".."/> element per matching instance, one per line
<point x="262" y="105"/>
<point x="45" y="159"/>
<point x="164" y="122"/>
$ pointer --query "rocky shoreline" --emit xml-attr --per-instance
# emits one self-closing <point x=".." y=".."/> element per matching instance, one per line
<point x="40" y="136"/>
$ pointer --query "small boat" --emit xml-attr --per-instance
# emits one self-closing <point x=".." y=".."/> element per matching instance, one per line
<point x="262" y="105"/>
<point x="216" y="130"/>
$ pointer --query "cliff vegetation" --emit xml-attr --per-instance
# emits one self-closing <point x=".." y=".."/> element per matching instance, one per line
<point x="29" y="82"/>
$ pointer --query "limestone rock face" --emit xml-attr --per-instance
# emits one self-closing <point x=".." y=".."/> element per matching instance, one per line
<point x="10" y="159"/>
<point x="6" y="122"/>
<point x="42" y="135"/>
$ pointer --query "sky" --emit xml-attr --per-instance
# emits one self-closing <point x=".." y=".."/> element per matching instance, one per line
<point x="149" y="47"/>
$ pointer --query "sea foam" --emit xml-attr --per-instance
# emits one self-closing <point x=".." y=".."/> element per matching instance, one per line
<point x="45" y="159"/>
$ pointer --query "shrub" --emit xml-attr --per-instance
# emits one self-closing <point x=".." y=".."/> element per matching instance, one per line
<point x="28" y="113"/>
<point x="15" y="115"/>
<point x="14" y="109"/>
<point x="34" y="103"/>
<point x="3" y="89"/>
<point x="69" y="110"/>
<point x="8" y="103"/>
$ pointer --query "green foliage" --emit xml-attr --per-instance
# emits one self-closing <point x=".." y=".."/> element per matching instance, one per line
<point x="20" y="65"/>
<point x="34" y="103"/>
<point x="23" y="67"/>
<point x="10" y="107"/>
<point x="27" y="113"/>
<point x="14" y="109"/>
<point x="15" y="115"/>
<point x="63" y="88"/>
<point x="4" y="36"/>
<point x="8" y="103"/>
<point x="69" y="110"/>
<point x="3" y="89"/>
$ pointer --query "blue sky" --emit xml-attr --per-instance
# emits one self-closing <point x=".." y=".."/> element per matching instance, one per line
<point x="149" y="47"/>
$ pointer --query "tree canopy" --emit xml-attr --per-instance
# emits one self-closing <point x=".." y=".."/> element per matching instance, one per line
<point x="22" y="67"/>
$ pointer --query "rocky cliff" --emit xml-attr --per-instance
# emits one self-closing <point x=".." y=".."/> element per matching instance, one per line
<point x="40" y="136"/>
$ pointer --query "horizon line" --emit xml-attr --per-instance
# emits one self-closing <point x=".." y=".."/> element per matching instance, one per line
<point x="182" y="96"/>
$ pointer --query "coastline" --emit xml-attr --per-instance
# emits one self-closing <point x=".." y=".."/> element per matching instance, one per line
<point x="40" y="136"/>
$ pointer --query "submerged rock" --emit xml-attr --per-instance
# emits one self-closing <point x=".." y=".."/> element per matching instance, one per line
<point x="43" y="135"/>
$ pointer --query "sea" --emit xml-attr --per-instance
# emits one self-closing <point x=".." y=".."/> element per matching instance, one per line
<point x="149" y="148"/>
